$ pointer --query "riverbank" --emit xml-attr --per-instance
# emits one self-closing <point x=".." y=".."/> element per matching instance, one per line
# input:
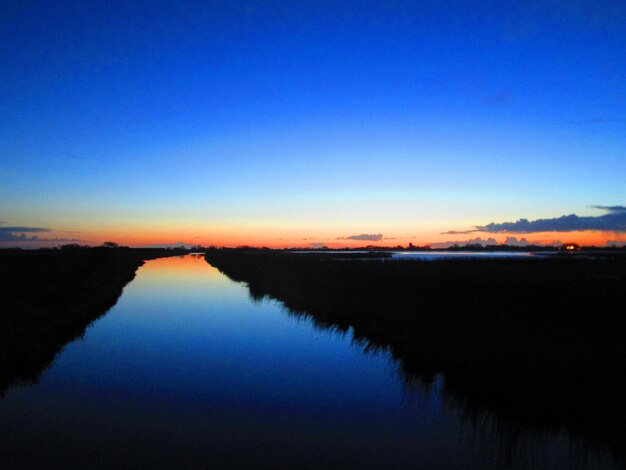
<point x="49" y="297"/>
<point x="536" y="342"/>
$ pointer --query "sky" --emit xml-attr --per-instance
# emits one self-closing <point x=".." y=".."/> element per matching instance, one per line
<point x="293" y="123"/>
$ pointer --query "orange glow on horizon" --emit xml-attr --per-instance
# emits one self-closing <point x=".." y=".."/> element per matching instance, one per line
<point x="271" y="238"/>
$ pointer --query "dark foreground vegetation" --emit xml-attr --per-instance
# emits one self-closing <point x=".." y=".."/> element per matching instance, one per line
<point x="539" y="343"/>
<point x="49" y="297"/>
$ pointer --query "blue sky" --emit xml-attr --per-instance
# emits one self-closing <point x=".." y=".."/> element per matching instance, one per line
<point x="308" y="119"/>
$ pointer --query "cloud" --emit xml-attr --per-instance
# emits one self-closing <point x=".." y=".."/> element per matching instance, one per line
<point x="364" y="237"/>
<point x="73" y="240"/>
<point x="512" y="241"/>
<point x="459" y="232"/>
<point x="611" y="208"/>
<point x="19" y="234"/>
<point x="22" y="237"/>
<point x="24" y="229"/>
<point x="614" y="221"/>
<point x="473" y="241"/>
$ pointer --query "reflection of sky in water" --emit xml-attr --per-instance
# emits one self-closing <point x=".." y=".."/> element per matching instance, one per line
<point x="434" y="255"/>
<point x="186" y="369"/>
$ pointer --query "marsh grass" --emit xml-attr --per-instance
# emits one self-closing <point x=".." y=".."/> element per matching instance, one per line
<point x="536" y="342"/>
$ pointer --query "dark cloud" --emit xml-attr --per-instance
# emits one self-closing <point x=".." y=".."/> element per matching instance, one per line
<point x="16" y="237"/>
<point x="614" y="221"/>
<point x="24" y="229"/>
<point x="22" y="237"/>
<point x="459" y="232"/>
<point x="611" y="208"/>
<point x="19" y="234"/>
<point x="364" y="237"/>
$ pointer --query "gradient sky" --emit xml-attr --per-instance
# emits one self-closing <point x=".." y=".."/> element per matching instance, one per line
<point x="293" y="123"/>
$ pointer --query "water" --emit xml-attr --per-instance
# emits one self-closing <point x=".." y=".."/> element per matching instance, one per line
<point x="437" y="255"/>
<point x="187" y="371"/>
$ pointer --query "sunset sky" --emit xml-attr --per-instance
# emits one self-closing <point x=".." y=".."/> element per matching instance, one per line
<point x="287" y="123"/>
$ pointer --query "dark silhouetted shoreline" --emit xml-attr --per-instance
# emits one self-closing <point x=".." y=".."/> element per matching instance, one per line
<point x="537" y="342"/>
<point x="49" y="297"/>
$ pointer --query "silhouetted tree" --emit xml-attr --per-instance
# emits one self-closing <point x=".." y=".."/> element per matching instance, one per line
<point x="71" y="246"/>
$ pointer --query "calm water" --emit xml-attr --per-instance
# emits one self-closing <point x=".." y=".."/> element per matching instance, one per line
<point x="435" y="255"/>
<point x="441" y="255"/>
<point x="187" y="371"/>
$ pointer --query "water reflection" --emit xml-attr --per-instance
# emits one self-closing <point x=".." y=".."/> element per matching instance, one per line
<point x="186" y="370"/>
<point x="437" y="255"/>
<point x="494" y="443"/>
